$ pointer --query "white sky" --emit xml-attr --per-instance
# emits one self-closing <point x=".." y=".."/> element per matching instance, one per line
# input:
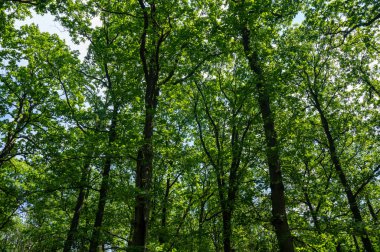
<point x="299" y="18"/>
<point x="46" y="23"/>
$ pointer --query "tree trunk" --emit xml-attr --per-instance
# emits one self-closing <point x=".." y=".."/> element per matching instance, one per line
<point x="357" y="248"/>
<point x="162" y="235"/>
<point x="279" y="217"/>
<point x="78" y="207"/>
<point x="143" y="180"/>
<point x="229" y="205"/>
<point x="371" y="210"/>
<point x="201" y="246"/>
<point x="342" y="177"/>
<point x="227" y="231"/>
<point x="313" y="212"/>
<point x="338" y="247"/>
<point x="94" y="243"/>
<point x="144" y="164"/>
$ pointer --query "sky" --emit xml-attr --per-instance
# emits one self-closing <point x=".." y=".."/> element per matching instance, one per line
<point x="299" y="18"/>
<point x="46" y="23"/>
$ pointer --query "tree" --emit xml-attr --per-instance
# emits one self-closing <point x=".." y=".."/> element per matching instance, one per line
<point x="226" y="118"/>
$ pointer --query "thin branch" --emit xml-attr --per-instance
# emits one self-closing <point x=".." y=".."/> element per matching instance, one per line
<point x="361" y="24"/>
<point x="143" y="42"/>
<point x="116" y="12"/>
<point x="195" y="68"/>
<point x="367" y="181"/>
<point x="201" y="136"/>
<point x="368" y="81"/>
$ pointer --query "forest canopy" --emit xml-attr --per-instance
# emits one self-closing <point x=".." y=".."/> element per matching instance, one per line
<point x="208" y="125"/>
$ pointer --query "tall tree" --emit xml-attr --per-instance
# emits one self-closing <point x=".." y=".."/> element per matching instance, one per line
<point x="227" y="118"/>
<point x="256" y="52"/>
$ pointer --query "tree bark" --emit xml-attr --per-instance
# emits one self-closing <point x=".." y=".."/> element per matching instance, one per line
<point x="313" y="212"/>
<point x="357" y="247"/>
<point x="342" y="177"/>
<point x="162" y="235"/>
<point x="279" y="216"/>
<point x="371" y="210"/>
<point x="201" y="246"/>
<point x="227" y="230"/>
<point x="144" y="169"/>
<point x="144" y="172"/>
<point x="144" y="164"/>
<point x="78" y="208"/>
<point x="229" y="204"/>
<point x="95" y="238"/>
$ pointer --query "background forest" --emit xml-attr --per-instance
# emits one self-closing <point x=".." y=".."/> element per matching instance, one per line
<point x="208" y="125"/>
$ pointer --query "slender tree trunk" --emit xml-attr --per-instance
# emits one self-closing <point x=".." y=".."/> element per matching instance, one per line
<point x="279" y="217"/>
<point x="229" y="205"/>
<point x="78" y="207"/>
<point x="313" y="212"/>
<point x="371" y="210"/>
<point x="342" y="177"/>
<point x="144" y="165"/>
<point x="162" y="236"/>
<point x="357" y="248"/>
<point x="227" y="191"/>
<point x="223" y="188"/>
<point x="201" y="246"/>
<point x="94" y="243"/>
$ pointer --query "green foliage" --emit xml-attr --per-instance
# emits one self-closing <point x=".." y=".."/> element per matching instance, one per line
<point x="209" y="153"/>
